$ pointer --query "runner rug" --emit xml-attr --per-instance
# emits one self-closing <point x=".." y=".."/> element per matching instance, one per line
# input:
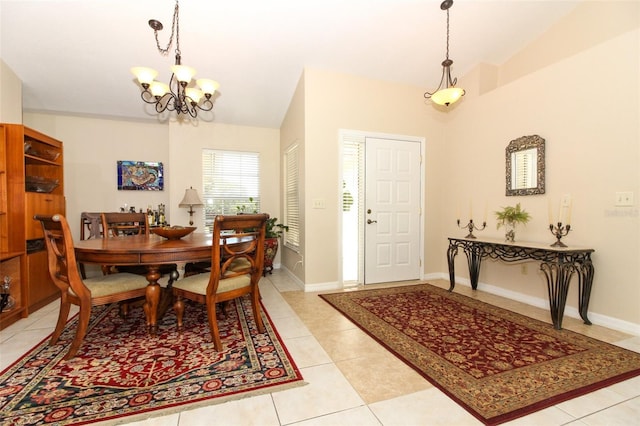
<point x="123" y="374"/>
<point x="495" y="363"/>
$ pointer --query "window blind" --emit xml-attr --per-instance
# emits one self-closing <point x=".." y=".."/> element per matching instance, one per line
<point x="353" y="199"/>
<point x="292" y="198"/>
<point x="231" y="183"/>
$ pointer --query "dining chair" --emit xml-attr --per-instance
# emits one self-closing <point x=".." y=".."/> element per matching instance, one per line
<point x="118" y="223"/>
<point x="90" y="227"/>
<point x="74" y="290"/>
<point x="236" y="269"/>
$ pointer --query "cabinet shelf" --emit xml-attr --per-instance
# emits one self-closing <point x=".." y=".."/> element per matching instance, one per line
<point x="32" y="159"/>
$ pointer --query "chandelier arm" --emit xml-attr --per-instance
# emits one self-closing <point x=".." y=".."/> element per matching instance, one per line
<point x="206" y="105"/>
<point x="428" y="95"/>
<point x="148" y="97"/>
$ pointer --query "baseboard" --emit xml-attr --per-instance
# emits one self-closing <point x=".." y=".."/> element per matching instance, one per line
<point x="594" y="317"/>
<point x="310" y="288"/>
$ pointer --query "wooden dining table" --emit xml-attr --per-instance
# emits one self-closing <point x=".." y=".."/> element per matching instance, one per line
<point x="152" y="251"/>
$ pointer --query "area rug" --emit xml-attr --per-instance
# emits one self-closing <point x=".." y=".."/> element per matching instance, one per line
<point x="497" y="364"/>
<point x="122" y="374"/>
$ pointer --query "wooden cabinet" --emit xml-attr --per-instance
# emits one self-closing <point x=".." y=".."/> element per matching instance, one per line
<point x="36" y="203"/>
<point x="46" y="291"/>
<point x="31" y="182"/>
<point x="14" y="307"/>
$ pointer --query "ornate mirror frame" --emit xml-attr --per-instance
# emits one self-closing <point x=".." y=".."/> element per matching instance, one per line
<point x="520" y="145"/>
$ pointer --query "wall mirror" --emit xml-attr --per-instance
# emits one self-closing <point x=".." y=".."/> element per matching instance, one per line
<point x="525" y="166"/>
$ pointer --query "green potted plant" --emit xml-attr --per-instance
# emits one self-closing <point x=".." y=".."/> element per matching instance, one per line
<point x="509" y="217"/>
<point x="273" y="232"/>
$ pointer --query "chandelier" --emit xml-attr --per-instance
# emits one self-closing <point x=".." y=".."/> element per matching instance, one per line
<point x="449" y="93"/>
<point x="180" y="95"/>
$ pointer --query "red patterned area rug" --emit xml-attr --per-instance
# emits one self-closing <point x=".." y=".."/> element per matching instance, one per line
<point x="497" y="364"/>
<point x="122" y="374"/>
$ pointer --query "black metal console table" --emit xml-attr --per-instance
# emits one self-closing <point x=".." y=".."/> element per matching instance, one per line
<point x="558" y="264"/>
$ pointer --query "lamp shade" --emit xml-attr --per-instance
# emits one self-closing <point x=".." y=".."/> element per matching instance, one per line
<point x="194" y="94"/>
<point x="183" y="73"/>
<point x="447" y="96"/>
<point x="208" y="86"/>
<point x="158" y="89"/>
<point x="191" y="198"/>
<point x="144" y="75"/>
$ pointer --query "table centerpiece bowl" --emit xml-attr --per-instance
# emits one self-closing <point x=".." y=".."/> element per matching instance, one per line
<point x="173" y="232"/>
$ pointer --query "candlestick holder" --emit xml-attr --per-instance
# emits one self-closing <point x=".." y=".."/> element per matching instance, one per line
<point x="471" y="226"/>
<point x="559" y="231"/>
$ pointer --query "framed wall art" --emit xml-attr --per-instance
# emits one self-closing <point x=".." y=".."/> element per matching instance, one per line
<point x="140" y="176"/>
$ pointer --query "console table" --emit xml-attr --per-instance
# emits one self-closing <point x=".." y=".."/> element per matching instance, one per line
<point x="558" y="264"/>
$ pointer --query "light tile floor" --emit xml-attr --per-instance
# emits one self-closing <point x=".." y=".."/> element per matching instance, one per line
<point x="348" y="373"/>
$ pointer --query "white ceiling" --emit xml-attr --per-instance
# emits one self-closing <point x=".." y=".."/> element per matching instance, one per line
<point x="75" y="56"/>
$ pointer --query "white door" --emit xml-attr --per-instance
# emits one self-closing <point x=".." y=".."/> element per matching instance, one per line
<point x="392" y="210"/>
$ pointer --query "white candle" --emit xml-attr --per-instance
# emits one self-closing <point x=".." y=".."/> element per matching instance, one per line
<point x="560" y="212"/>
<point x="550" y="212"/>
<point x="569" y="212"/>
<point x="486" y="208"/>
<point x="470" y="210"/>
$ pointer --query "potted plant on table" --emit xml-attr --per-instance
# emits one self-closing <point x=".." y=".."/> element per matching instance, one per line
<point x="509" y="217"/>
<point x="273" y="232"/>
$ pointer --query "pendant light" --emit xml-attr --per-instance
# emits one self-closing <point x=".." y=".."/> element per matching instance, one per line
<point x="449" y="93"/>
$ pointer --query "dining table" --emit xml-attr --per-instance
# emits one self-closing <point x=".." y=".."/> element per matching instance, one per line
<point x="151" y="251"/>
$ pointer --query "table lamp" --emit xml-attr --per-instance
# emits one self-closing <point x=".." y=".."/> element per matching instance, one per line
<point x="190" y="200"/>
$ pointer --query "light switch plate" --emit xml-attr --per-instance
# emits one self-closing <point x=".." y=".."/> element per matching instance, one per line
<point x="624" y="199"/>
<point x="319" y="203"/>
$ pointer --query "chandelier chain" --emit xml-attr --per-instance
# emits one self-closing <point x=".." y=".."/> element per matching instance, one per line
<point x="175" y="29"/>
<point x="447" y="34"/>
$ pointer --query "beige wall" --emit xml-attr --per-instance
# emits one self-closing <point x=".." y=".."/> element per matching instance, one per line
<point x="10" y="96"/>
<point x="591" y="23"/>
<point x="593" y="151"/>
<point x="186" y="142"/>
<point x="336" y="101"/>
<point x="92" y="147"/>
<point x="292" y="132"/>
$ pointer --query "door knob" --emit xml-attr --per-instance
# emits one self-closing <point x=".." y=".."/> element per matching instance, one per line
<point x="369" y="221"/>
